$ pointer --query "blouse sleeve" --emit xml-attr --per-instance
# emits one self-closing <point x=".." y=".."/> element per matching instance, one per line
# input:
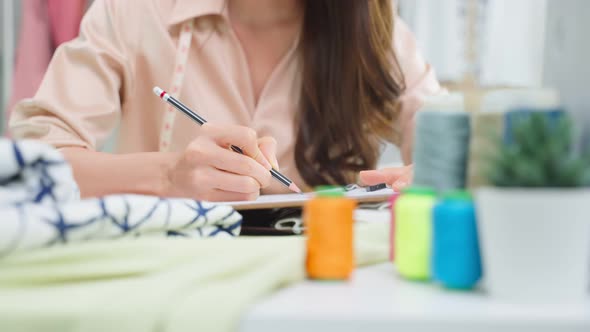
<point x="79" y="101"/>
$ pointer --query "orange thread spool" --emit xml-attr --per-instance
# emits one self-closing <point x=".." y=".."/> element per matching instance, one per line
<point x="329" y="226"/>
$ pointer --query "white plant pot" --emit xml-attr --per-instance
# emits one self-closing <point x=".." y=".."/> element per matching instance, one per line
<point x="535" y="244"/>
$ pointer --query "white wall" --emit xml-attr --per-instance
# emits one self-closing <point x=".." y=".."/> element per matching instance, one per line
<point x="10" y="18"/>
<point x="567" y="56"/>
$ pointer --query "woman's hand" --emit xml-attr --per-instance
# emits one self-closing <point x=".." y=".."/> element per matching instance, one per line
<point x="398" y="177"/>
<point x="209" y="170"/>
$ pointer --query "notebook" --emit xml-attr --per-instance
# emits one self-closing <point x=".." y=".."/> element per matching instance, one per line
<point x="360" y="194"/>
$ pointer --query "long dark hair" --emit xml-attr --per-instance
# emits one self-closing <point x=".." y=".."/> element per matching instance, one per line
<point x="351" y="83"/>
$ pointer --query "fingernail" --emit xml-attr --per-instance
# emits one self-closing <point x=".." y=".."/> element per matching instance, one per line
<point x="261" y="158"/>
<point x="275" y="165"/>
<point x="400" y="184"/>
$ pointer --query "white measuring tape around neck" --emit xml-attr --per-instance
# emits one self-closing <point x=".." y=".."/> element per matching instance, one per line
<point x="182" y="52"/>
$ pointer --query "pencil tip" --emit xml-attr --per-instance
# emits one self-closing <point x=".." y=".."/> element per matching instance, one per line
<point x="294" y="188"/>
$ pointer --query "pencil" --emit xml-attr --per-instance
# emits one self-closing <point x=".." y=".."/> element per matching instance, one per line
<point x="201" y="121"/>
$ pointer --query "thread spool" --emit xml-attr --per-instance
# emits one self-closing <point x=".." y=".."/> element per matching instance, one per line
<point x="413" y="230"/>
<point x="456" y="261"/>
<point x="441" y="144"/>
<point x="328" y="219"/>
<point x="513" y="117"/>
<point x="392" y="201"/>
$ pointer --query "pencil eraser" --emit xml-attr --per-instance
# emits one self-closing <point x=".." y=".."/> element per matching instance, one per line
<point x="158" y="91"/>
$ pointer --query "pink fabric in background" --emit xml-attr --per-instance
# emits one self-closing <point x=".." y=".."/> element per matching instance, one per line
<point x="45" y="24"/>
<point x="65" y="17"/>
<point x="33" y="53"/>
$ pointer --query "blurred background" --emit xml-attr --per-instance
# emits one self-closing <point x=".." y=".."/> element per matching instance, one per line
<point x="475" y="45"/>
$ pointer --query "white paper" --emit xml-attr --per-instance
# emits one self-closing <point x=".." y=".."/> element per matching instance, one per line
<point x="360" y="193"/>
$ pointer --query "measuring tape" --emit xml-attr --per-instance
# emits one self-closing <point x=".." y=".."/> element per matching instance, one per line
<point x="184" y="45"/>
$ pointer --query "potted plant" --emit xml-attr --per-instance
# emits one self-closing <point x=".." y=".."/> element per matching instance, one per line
<point x="534" y="222"/>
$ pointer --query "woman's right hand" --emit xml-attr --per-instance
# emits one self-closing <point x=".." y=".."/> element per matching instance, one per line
<point x="209" y="170"/>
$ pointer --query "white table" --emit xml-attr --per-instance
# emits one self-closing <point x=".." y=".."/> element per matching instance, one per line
<point x="377" y="300"/>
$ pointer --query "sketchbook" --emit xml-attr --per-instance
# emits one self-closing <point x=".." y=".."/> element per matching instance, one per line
<point x="359" y="194"/>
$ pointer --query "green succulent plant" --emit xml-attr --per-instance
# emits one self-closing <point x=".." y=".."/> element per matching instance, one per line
<point x="540" y="154"/>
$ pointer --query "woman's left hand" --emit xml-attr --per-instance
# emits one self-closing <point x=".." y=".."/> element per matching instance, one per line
<point x="398" y="177"/>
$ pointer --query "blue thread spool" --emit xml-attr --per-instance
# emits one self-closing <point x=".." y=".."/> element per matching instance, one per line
<point x="455" y="256"/>
<point x="513" y="117"/>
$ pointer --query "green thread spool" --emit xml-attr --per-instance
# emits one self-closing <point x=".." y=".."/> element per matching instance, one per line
<point x="329" y="191"/>
<point x="413" y="233"/>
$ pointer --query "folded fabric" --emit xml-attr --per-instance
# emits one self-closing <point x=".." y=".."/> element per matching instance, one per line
<point x="29" y="226"/>
<point x="32" y="172"/>
<point x="40" y="206"/>
<point x="164" y="285"/>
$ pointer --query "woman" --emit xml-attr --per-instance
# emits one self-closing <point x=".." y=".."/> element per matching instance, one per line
<point x="311" y="85"/>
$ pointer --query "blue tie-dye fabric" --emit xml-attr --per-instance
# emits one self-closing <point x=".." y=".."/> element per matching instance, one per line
<point x="40" y="206"/>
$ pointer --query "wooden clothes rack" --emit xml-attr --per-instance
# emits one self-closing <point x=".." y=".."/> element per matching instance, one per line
<point x="469" y="84"/>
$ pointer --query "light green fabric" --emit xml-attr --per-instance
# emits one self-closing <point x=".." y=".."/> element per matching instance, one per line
<point x="143" y="285"/>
